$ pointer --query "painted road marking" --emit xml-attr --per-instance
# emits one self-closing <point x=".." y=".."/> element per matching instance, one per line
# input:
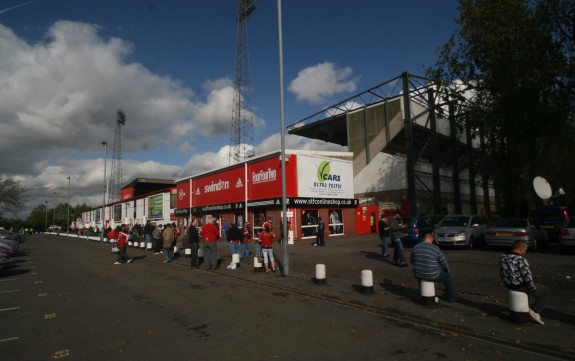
<point x="8" y="291"/>
<point x="10" y="339"/>
<point x="9" y="309"/>
<point x="61" y="354"/>
<point x="49" y="316"/>
<point x="36" y="282"/>
<point x="9" y="279"/>
<point x="42" y="294"/>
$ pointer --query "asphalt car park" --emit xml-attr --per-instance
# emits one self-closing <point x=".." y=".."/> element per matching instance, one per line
<point x="64" y="298"/>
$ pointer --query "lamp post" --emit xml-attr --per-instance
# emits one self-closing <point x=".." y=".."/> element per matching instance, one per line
<point x="68" y="216"/>
<point x="46" y="227"/>
<point x="283" y="144"/>
<point x="54" y="214"/>
<point x="105" y="144"/>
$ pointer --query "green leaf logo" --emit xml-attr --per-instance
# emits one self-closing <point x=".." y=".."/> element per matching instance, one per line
<point x="323" y="171"/>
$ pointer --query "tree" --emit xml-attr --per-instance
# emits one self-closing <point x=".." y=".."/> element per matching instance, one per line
<point x="511" y="57"/>
<point x="10" y="196"/>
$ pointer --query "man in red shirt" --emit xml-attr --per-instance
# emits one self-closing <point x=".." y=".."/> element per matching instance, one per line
<point x="210" y="234"/>
<point x="122" y="246"/>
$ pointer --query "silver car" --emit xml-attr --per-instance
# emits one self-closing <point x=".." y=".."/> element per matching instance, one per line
<point x="507" y="231"/>
<point x="567" y="237"/>
<point x="460" y="230"/>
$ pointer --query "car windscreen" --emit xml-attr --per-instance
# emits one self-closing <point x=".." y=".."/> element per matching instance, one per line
<point x="454" y="222"/>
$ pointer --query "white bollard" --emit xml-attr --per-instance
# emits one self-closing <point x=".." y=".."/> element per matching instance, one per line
<point x="188" y="252"/>
<point x="258" y="266"/>
<point x="142" y="245"/>
<point x="367" y="281"/>
<point x="136" y="244"/>
<point x="130" y="244"/>
<point x="149" y="245"/>
<point x="319" y="274"/>
<point x="519" y="307"/>
<point x="236" y="259"/>
<point x="427" y="290"/>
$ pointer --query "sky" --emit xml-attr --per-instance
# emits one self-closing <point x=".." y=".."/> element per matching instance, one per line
<point x="67" y="66"/>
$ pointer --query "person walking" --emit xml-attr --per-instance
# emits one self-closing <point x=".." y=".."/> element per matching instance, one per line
<point x="429" y="264"/>
<point x="210" y="234"/>
<point x="194" y="240"/>
<point x="320" y="237"/>
<point x="384" y="234"/>
<point x="168" y="242"/>
<point x="397" y="232"/>
<point x="266" y="239"/>
<point x="156" y="238"/>
<point x="245" y="252"/>
<point x="122" y="237"/>
<point x="515" y="273"/>
<point x="148" y="229"/>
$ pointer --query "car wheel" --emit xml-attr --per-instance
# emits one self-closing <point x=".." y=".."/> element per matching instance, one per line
<point x="471" y="243"/>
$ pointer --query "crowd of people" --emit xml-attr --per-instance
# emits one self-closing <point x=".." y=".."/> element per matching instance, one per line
<point x="427" y="259"/>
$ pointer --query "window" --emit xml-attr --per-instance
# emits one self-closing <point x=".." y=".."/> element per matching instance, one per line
<point x="335" y="221"/>
<point x="309" y="223"/>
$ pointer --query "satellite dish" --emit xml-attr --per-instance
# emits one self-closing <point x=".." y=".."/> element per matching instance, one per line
<point x="542" y="188"/>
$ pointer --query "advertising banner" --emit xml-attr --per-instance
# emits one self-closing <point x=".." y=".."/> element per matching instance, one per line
<point x="183" y="194"/>
<point x="264" y="179"/>
<point x="219" y="188"/>
<point x="327" y="178"/>
<point x="156" y="206"/>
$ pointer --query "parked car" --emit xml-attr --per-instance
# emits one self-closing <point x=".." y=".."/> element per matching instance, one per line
<point x="549" y="218"/>
<point x="567" y="238"/>
<point x="417" y="227"/>
<point x="5" y="261"/>
<point x="507" y="231"/>
<point x="12" y="244"/>
<point x="460" y="230"/>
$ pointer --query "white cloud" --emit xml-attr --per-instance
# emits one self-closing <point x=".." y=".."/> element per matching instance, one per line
<point x="316" y="83"/>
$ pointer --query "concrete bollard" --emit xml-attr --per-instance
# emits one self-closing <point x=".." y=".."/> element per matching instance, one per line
<point x="367" y="281"/>
<point x="130" y="244"/>
<point x="136" y="244"/>
<point x="427" y="291"/>
<point x="319" y="274"/>
<point x="519" y="307"/>
<point x="236" y="259"/>
<point x="149" y="246"/>
<point x="142" y="245"/>
<point x="188" y="252"/>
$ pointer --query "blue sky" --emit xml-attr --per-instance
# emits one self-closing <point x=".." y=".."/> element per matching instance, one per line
<point x="66" y="66"/>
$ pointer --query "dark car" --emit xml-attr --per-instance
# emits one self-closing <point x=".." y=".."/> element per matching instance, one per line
<point x="417" y="227"/>
<point x="549" y="218"/>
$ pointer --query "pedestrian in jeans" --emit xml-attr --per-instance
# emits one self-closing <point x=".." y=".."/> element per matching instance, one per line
<point x="246" y="241"/>
<point x="194" y="239"/>
<point x="429" y="264"/>
<point x="168" y="243"/>
<point x="397" y="232"/>
<point x="384" y="234"/>
<point x="234" y="235"/>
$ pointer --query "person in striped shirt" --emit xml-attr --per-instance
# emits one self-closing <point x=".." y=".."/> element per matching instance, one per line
<point x="429" y="264"/>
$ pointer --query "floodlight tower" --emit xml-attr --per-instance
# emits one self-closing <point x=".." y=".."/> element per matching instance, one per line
<point x="242" y="139"/>
<point x="116" y="175"/>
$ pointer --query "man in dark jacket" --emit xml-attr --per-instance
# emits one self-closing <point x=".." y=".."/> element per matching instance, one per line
<point x="234" y="235"/>
<point x="396" y="233"/>
<point x="194" y="240"/>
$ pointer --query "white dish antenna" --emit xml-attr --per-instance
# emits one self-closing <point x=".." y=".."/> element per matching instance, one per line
<point x="542" y="188"/>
